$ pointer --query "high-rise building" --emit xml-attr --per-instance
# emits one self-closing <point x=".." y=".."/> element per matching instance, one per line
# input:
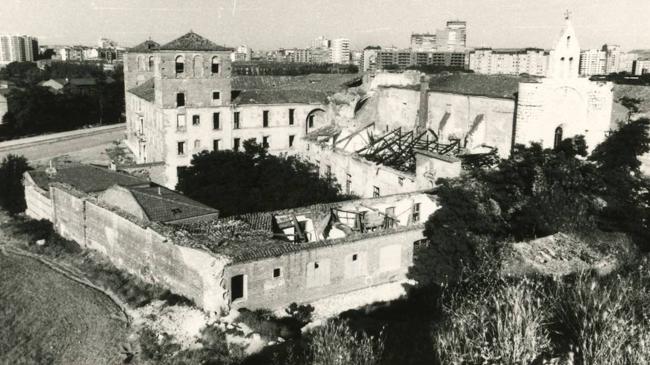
<point x="369" y="59"/>
<point x="340" y="51"/>
<point x="613" y="55"/>
<point x="532" y="61"/>
<point x="320" y="42"/>
<point x="401" y="59"/>
<point x="17" y="48"/>
<point x="593" y="62"/>
<point x="423" y="42"/>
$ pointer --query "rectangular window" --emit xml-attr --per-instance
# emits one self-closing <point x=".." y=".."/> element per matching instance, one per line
<point x="291" y="138"/>
<point x="355" y="257"/>
<point x="375" y="192"/>
<point x="197" y="144"/>
<point x="215" y="67"/>
<point x="236" y="120"/>
<point x="416" y="212"/>
<point x="180" y="148"/>
<point x="265" y="119"/>
<point x="235" y="144"/>
<point x="196" y="120"/>
<point x="180" y="122"/>
<point x="216" y="95"/>
<point x="215" y="144"/>
<point x="291" y="116"/>
<point x="216" y="123"/>
<point x="265" y="142"/>
<point x="311" y="121"/>
<point x="180" y="99"/>
<point x="277" y="272"/>
<point x="237" y="287"/>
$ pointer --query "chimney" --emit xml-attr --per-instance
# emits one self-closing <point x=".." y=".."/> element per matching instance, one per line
<point x="423" y="110"/>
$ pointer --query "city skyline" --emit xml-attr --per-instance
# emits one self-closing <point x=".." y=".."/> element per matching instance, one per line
<point x="291" y="23"/>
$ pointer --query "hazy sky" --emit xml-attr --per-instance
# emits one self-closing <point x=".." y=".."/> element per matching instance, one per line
<point x="267" y="24"/>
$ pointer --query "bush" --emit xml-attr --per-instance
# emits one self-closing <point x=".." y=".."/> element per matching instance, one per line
<point x="505" y="324"/>
<point x="12" y="192"/>
<point x="301" y="313"/>
<point x="335" y="344"/>
<point x="266" y="324"/>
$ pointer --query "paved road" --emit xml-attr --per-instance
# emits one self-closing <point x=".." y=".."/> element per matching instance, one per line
<point x="40" y="150"/>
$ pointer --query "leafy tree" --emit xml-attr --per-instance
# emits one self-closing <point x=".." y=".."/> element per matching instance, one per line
<point x="627" y="191"/>
<point x="252" y="181"/>
<point x="534" y="193"/>
<point x="12" y="192"/>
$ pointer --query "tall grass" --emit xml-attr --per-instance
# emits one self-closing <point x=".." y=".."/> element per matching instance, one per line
<point x="335" y="344"/>
<point x="506" y="325"/>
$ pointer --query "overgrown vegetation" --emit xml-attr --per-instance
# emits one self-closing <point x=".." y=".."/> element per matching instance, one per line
<point x="33" y="109"/>
<point x="254" y="181"/>
<point x="12" y="192"/>
<point x="290" y="68"/>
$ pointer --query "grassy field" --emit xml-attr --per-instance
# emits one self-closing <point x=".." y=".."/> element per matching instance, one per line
<point x="47" y="318"/>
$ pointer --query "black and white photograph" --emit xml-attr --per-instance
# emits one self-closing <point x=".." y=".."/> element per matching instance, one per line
<point x="325" y="182"/>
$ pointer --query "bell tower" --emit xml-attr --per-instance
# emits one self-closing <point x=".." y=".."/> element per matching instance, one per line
<point x="564" y="60"/>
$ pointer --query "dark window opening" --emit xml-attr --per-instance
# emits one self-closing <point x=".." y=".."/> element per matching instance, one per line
<point x="181" y="148"/>
<point x="180" y="64"/>
<point x="180" y="99"/>
<point x="291" y="138"/>
<point x="265" y="118"/>
<point x="416" y="212"/>
<point x="236" y="287"/>
<point x="215" y="145"/>
<point x="236" y="120"/>
<point x="315" y="265"/>
<point x="375" y="192"/>
<point x="311" y="121"/>
<point x="291" y="116"/>
<point x="558" y="137"/>
<point x="216" y="123"/>
<point x="354" y="257"/>
<point x="236" y="144"/>
<point x="196" y="120"/>
<point x="276" y="272"/>
<point x="216" y="95"/>
<point x="215" y="65"/>
<point x="265" y="142"/>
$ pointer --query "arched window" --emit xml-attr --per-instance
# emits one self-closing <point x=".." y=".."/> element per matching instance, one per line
<point x="215" y="65"/>
<point x="180" y="64"/>
<point x="558" y="137"/>
<point x="197" y="66"/>
<point x="150" y="63"/>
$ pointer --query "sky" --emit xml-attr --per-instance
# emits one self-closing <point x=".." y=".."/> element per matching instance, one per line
<point x="271" y="24"/>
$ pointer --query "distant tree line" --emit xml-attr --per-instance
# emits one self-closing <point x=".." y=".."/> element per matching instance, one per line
<point x="33" y="109"/>
<point x="290" y="68"/>
<point x="624" y="78"/>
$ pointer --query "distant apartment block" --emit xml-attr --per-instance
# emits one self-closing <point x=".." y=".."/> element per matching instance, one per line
<point x="340" y="51"/>
<point x="641" y="67"/>
<point x="606" y="60"/>
<point x="452" y="38"/>
<point x="509" y="61"/>
<point x="387" y="59"/>
<point x="369" y="59"/>
<point x="593" y="62"/>
<point x="17" y="48"/>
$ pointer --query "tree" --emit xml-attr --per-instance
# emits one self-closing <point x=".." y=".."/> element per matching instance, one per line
<point x="536" y="192"/>
<point x="12" y="192"/>
<point x="253" y="181"/>
<point x="626" y="190"/>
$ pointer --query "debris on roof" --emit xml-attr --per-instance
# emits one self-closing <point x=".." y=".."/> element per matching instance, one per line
<point x="193" y="42"/>
<point x="86" y="178"/>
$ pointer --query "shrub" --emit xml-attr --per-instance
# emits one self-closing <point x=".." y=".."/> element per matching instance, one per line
<point x="301" y="313"/>
<point x="335" y="344"/>
<point x="266" y="324"/>
<point x="12" y="192"/>
<point x="503" y="325"/>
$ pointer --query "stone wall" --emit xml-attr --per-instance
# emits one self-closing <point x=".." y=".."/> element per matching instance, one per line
<point x="140" y="249"/>
<point x="363" y="175"/>
<point x="318" y="273"/>
<point x="39" y="204"/>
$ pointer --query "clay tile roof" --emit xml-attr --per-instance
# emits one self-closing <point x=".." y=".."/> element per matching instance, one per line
<point x="496" y="86"/>
<point x="280" y="97"/>
<point x="87" y="178"/>
<point x="193" y="42"/>
<point x="164" y="205"/>
<point x="146" y="46"/>
<point x="145" y="90"/>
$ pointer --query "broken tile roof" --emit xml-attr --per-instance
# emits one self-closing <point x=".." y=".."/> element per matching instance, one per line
<point x="145" y="90"/>
<point x="146" y="46"/>
<point x="330" y="130"/>
<point x="321" y="82"/>
<point x="164" y="205"/>
<point x="86" y="178"/>
<point x="193" y="42"/>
